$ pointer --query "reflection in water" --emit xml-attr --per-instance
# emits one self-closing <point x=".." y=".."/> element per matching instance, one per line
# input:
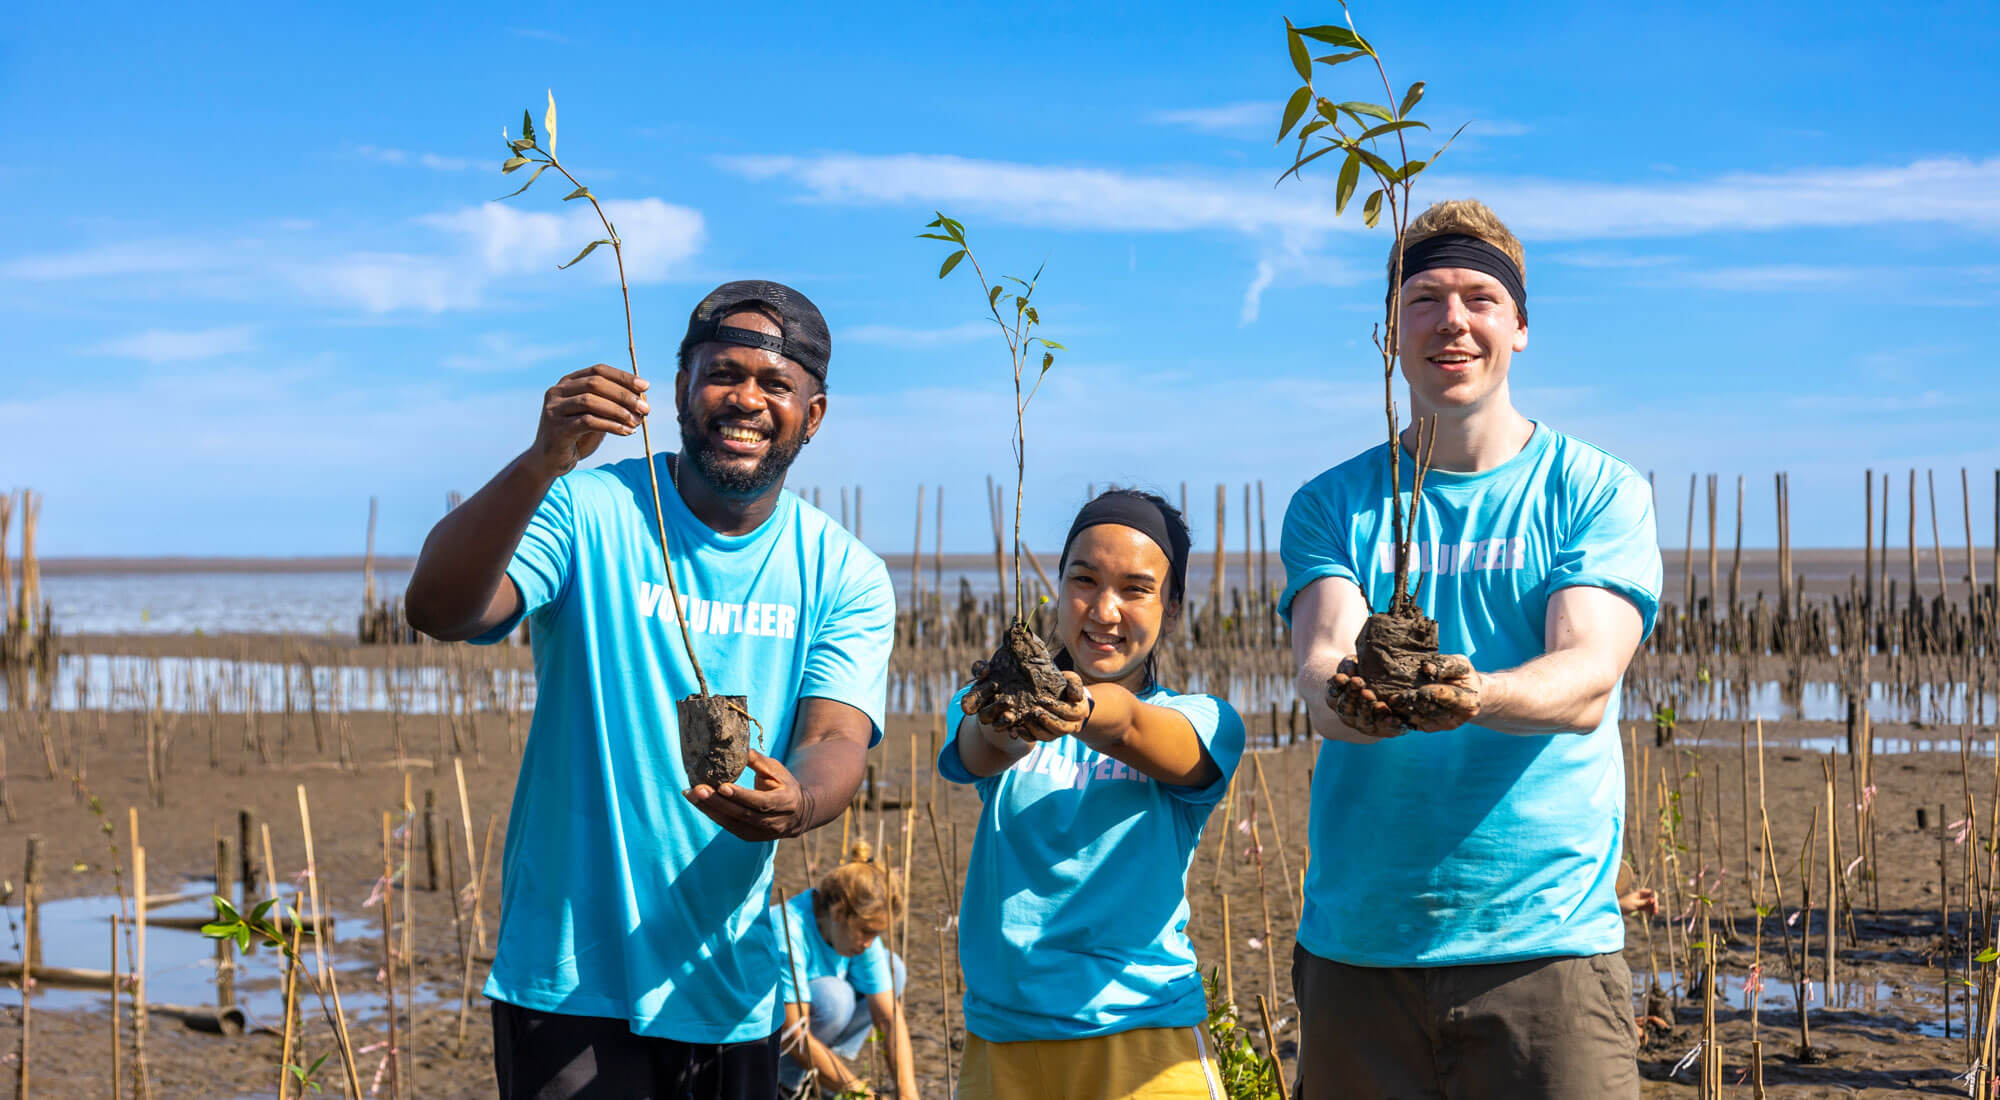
<point x="181" y="684"/>
<point x="180" y="965"/>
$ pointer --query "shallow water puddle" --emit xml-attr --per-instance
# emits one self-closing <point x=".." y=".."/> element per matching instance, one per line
<point x="181" y="963"/>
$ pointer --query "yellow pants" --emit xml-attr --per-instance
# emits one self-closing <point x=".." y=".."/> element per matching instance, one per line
<point x="1153" y="1063"/>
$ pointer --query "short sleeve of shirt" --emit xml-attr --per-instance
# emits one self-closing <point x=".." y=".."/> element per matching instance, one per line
<point x="1220" y="730"/>
<point x="1611" y="543"/>
<point x="1313" y="543"/>
<point x="544" y="560"/>
<point x="949" y="765"/>
<point x="848" y="660"/>
<point x="869" y="972"/>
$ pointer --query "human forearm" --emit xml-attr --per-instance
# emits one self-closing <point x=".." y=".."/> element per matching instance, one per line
<point x="986" y="751"/>
<point x="828" y="772"/>
<point x="1566" y="691"/>
<point x="1158" y="741"/>
<point x="906" y="1063"/>
<point x="459" y="586"/>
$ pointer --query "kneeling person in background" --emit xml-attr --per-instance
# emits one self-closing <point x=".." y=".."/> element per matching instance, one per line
<point x="838" y="980"/>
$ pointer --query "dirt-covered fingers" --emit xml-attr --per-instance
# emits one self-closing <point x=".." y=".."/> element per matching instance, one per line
<point x="978" y="699"/>
<point x="1446" y="668"/>
<point x="1438" y="707"/>
<point x="1356" y="705"/>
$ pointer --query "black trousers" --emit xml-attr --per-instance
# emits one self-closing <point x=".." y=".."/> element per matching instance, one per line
<point x="549" y="1056"/>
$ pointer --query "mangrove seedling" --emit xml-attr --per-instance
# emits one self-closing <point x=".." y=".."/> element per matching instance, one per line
<point x="715" y="729"/>
<point x="1398" y="645"/>
<point x="1022" y="671"/>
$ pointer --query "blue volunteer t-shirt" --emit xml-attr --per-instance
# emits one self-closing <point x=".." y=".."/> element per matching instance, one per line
<point x="1074" y="919"/>
<point x="620" y="898"/>
<point x="815" y="958"/>
<point x="1472" y="846"/>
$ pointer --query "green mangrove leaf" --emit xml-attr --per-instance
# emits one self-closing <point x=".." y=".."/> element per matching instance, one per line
<point x="587" y="250"/>
<point x="950" y="262"/>
<point x="1410" y="99"/>
<point x="1301" y="60"/>
<point x="1350" y="174"/>
<point x="1337" y="36"/>
<point x="1295" y="108"/>
<point x="1372" y="209"/>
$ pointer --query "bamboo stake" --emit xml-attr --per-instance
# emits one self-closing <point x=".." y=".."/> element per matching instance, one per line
<point x="389" y="957"/>
<point x="465" y="818"/>
<point x="31" y="883"/>
<point x="1271" y="1044"/>
<point x="117" y="1039"/>
<point x="1228" y="956"/>
<point x="141" y="1083"/>
<point x="1277" y="837"/>
<point x="324" y="970"/>
<point x="291" y="1000"/>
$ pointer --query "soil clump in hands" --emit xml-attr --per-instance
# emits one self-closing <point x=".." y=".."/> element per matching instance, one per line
<point x="715" y="737"/>
<point x="1020" y="680"/>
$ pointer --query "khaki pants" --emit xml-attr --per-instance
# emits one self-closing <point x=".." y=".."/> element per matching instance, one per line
<point x="1558" y="1028"/>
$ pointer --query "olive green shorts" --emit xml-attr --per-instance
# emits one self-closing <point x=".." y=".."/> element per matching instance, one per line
<point x="1556" y="1028"/>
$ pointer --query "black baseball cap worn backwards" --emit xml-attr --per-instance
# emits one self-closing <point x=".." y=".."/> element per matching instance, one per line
<point x="805" y="340"/>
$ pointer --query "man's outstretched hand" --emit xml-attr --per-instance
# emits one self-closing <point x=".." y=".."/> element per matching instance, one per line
<point x="1449" y="697"/>
<point x="1356" y="705"/>
<point x="776" y="808"/>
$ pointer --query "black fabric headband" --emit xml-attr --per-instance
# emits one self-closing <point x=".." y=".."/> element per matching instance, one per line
<point x="713" y="330"/>
<point x="1143" y="516"/>
<point x="1460" y="250"/>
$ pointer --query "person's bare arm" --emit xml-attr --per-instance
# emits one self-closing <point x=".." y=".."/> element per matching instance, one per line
<point x="459" y="588"/>
<point x="1326" y="618"/>
<point x="810" y="1053"/>
<point x="890" y="1024"/>
<point x="1591" y="635"/>
<point x="1158" y="741"/>
<point x="987" y="751"/>
<point x="829" y="754"/>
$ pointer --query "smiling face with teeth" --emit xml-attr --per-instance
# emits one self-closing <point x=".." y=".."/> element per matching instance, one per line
<point x="745" y="412"/>
<point x="1459" y="332"/>
<point x="1115" y="604"/>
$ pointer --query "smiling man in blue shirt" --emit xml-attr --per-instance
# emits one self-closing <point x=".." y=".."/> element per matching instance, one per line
<point x="632" y="960"/>
<point x="1461" y="934"/>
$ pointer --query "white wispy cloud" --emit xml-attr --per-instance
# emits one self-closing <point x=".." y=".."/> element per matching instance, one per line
<point x="171" y="346"/>
<point x="658" y="237"/>
<point x="432" y="161"/>
<point x="502" y="351"/>
<point x="1950" y="191"/>
<point x="916" y="337"/>
<point x="1233" y="119"/>
<point x="453" y="264"/>
<point x="114" y="260"/>
<point x="1775" y="277"/>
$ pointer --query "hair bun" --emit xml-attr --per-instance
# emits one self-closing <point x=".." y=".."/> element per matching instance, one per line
<point x="860" y="852"/>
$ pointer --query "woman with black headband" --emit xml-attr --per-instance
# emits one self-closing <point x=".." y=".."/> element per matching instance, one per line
<point x="1080" y="980"/>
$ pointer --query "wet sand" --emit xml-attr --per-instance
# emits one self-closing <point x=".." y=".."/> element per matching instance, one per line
<point x="1887" y="1039"/>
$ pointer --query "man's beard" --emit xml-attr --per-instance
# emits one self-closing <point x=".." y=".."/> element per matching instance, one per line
<point x="730" y="479"/>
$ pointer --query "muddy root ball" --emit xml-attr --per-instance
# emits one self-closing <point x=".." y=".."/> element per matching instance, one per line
<point x="1024" y="672"/>
<point x="715" y="737"/>
<point x="1391" y="650"/>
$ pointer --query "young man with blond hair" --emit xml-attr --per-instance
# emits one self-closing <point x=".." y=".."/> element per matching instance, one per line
<point x="1461" y="934"/>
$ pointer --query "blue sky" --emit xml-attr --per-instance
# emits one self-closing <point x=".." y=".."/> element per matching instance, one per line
<point x="252" y="276"/>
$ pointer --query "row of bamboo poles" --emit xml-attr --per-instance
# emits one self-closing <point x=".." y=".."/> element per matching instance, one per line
<point x="27" y="636"/>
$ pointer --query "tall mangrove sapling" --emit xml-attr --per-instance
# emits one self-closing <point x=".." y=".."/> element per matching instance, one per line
<point x="1021" y="674"/>
<point x="714" y="729"/>
<point x="1397" y="647"/>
